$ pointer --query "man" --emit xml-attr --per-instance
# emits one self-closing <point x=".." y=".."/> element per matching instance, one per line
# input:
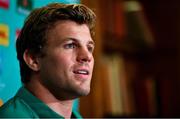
<point x="55" y="52"/>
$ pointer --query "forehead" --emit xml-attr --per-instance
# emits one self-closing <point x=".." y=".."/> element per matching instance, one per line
<point x="65" y="29"/>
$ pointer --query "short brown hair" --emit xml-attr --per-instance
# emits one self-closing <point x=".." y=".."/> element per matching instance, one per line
<point x="40" y="20"/>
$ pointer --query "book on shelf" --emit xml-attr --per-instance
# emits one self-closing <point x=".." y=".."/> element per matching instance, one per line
<point x="118" y="94"/>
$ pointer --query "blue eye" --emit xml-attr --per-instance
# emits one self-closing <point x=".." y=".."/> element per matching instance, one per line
<point x="70" y="46"/>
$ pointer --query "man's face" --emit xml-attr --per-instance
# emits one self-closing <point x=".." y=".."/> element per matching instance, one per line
<point x="66" y="69"/>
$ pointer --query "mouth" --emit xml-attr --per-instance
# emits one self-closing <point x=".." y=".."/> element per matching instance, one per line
<point x="81" y="72"/>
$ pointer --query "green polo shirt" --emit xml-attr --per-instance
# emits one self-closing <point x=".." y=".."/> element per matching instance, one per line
<point x="26" y="105"/>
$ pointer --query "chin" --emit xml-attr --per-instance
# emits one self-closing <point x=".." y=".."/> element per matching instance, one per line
<point x="84" y="92"/>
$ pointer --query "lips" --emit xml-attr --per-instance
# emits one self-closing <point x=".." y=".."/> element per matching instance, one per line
<point x="81" y="71"/>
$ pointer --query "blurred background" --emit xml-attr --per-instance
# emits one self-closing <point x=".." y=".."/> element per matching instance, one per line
<point x="136" y="70"/>
<point x="137" y="59"/>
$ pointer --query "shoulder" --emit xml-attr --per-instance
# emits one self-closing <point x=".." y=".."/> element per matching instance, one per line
<point x="16" y="107"/>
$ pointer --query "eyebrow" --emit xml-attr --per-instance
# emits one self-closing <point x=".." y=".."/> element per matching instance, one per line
<point x="91" y="42"/>
<point x="74" y="39"/>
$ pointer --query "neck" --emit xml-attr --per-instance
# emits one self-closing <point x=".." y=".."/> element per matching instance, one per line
<point x="62" y="107"/>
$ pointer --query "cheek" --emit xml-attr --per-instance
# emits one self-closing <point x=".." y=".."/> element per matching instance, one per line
<point x="56" y="61"/>
<point x="92" y="63"/>
<point x="63" y="61"/>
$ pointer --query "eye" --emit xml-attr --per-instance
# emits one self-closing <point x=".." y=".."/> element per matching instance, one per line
<point x="70" y="45"/>
<point x="91" y="49"/>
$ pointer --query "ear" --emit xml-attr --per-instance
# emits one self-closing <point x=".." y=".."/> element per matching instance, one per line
<point x="31" y="60"/>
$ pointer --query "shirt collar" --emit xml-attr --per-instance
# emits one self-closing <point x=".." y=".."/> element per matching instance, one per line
<point x="41" y="109"/>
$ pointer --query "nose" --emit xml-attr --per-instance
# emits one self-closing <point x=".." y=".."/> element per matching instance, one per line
<point x="84" y="55"/>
